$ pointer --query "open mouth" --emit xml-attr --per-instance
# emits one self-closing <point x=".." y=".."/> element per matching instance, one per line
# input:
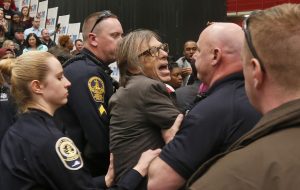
<point x="163" y="67"/>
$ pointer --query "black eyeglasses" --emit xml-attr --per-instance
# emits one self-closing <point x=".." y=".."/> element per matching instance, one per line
<point x="103" y="15"/>
<point x="154" y="51"/>
<point x="249" y="41"/>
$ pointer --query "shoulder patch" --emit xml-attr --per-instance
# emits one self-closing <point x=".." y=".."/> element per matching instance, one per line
<point x="97" y="89"/>
<point x="68" y="153"/>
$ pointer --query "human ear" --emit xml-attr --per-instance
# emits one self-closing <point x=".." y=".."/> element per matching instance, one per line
<point x="36" y="87"/>
<point x="257" y="73"/>
<point x="92" y="39"/>
<point x="217" y="52"/>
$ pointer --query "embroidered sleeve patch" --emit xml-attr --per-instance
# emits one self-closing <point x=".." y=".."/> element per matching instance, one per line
<point x="68" y="153"/>
<point x="96" y="87"/>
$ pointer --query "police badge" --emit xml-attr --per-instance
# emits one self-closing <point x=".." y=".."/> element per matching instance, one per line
<point x="96" y="87"/>
<point x="68" y="153"/>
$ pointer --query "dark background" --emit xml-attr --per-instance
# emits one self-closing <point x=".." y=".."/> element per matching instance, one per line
<point x="176" y="21"/>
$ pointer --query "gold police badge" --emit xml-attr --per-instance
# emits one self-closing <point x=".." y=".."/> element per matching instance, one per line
<point x="96" y="87"/>
<point x="68" y="153"/>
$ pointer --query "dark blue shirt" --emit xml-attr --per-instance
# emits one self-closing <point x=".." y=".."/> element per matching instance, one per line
<point x="85" y="117"/>
<point x="30" y="159"/>
<point x="211" y="126"/>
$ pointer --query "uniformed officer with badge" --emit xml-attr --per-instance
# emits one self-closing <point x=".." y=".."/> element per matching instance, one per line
<point x="7" y="108"/>
<point x="35" y="154"/>
<point x="85" y="117"/>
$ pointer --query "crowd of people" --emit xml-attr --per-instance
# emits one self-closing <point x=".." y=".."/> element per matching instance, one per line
<point x="223" y="116"/>
<point x="24" y="33"/>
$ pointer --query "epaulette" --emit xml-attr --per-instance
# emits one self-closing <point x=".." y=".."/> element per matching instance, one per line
<point x="73" y="59"/>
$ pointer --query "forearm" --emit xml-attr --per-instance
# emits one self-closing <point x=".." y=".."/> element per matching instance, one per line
<point x="162" y="177"/>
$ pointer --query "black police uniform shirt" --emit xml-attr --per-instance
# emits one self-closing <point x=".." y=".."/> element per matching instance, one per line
<point x="7" y="111"/>
<point x="36" y="155"/>
<point x="211" y="126"/>
<point x="85" y="116"/>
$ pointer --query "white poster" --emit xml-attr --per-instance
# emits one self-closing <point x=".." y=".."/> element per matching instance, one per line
<point x="80" y="36"/>
<point x="25" y="3"/>
<point x="18" y="4"/>
<point x="33" y="8"/>
<point x="42" y="12"/>
<point x="63" y="21"/>
<point x="51" y="19"/>
<point x="115" y="71"/>
<point x="73" y="31"/>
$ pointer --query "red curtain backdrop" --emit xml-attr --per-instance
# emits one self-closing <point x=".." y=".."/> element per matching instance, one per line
<point x="248" y="5"/>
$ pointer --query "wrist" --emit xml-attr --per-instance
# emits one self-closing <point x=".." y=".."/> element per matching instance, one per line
<point x="142" y="170"/>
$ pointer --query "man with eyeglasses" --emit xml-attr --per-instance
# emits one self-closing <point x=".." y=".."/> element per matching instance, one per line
<point x="85" y="117"/>
<point x="142" y="111"/>
<point x="215" y="122"/>
<point x="268" y="156"/>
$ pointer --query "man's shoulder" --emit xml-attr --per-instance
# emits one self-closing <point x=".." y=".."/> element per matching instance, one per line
<point x="180" y="60"/>
<point x="75" y="61"/>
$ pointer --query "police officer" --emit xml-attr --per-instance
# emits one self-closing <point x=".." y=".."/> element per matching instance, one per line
<point x="7" y="108"/>
<point x="85" y="117"/>
<point x="35" y="154"/>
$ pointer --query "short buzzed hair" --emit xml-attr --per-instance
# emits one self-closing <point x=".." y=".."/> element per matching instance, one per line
<point x="90" y="21"/>
<point x="276" y="38"/>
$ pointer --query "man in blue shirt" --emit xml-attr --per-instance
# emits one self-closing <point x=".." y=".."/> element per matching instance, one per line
<point x="215" y="122"/>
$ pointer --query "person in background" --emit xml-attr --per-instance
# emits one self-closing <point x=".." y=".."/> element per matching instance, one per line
<point x="3" y="35"/>
<point x="6" y="53"/>
<point x="8" y="12"/>
<point x="187" y="60"/>
<point x="267" y="157"/>
<point x="7" y="108"/>
<point x="86" y="117"/>
<point x="215" y="122"/>
<point x="15" y="24"/>
<point x="78" y="46"/>
<point x="3" y="21"/>
<point x="175" y="73"/>
<point x="62" y="51"/>
<point x="35" y="154"/>
<point x="19" y="41"/>
<point x="46" y="40"/>
<point x="12" y="5"/>
<point x="9" y="44"/>
<point x="66" y="43"/>
<point x="33" y="43"/>
<point x="141" y="110"/>
<point x="26" y="20"/>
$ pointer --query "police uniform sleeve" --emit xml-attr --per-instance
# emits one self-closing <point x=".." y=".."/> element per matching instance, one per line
<point x="159" y="106"/>
<point x="129" y="181"/>
<point x="88" y="101"/>
<point x="61" y="166"/>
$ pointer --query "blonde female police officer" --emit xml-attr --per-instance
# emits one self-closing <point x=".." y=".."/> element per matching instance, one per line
<point x="35" y="154"/>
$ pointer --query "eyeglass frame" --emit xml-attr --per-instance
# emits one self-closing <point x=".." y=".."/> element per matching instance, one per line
<point x="148" y="51"/>
<point x="249" y="41"/>
<point x="104" y="14"/>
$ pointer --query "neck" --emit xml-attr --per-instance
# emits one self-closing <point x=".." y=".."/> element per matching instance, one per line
<point x="278" y="97"/>
<point x="223" y="69"/>
<point x="42" y="106"/>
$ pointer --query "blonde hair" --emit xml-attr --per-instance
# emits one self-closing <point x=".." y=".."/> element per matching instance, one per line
<point x="5" y="70"/>
<point x="128" y="51"/>
<point x="6" y="43"/>
<point x="28" y="67"/>
<point x="276" y="37"/>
